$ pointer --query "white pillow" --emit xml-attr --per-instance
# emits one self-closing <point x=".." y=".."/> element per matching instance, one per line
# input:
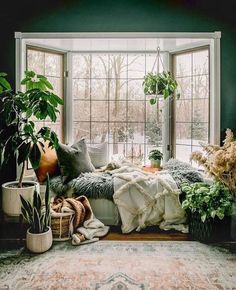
<point x="98" y="154"/>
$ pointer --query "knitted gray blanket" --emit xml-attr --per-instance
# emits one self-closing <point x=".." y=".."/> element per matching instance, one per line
<point x="100" y="184"/>
<point x="91" y="184"/>
<point x="182" y="172"/>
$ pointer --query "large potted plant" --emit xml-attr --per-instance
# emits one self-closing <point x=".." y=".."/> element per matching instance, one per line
<point x="19" y="138"/>
<point x="39" y="234"/>
<point x="155" y="157"/>
<point x="209" y="207"/>
<point x="220" y="163"/>
<point x="156" y="84"/>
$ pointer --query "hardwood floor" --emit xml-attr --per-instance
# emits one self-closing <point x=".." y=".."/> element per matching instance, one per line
<point x="148" y="234"/>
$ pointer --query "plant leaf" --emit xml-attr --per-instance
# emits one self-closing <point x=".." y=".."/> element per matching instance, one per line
<point x="35" y="156"/>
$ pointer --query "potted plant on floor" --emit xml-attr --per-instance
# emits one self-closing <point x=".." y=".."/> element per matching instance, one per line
<point x="155" y="156"/>
<point x="208" y="207"/>
<point x="39" y="234"/>
<point x="19" y="138"/>
<point x="220" y="163"/>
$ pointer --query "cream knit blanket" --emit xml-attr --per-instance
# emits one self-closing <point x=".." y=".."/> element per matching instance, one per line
<point x="147" y="199"/>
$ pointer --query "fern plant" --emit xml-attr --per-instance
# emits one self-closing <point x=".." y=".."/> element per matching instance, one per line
<point x="37" y="216"/>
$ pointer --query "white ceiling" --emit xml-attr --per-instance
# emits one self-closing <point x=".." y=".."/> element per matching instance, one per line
<point x="100" y="44"/>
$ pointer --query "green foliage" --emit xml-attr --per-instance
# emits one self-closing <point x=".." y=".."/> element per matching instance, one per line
<point x="4" y="84"/>
<point x="37" y="217"/>
<point x="155" y="154"/>
<point x="19" y="136"/>
<point x="207" y="200"/>
<point x="159" y="84"/>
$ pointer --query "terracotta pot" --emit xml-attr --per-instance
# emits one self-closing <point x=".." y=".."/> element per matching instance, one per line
<point x="39" y="243"/>
<point x="11" y="203"/>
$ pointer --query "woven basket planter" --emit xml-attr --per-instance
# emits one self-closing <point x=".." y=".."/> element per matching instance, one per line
<point x="212" y="230"/>
<point x="60" y="225"/>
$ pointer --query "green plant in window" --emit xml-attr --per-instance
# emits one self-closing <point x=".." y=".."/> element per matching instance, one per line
<point x="19" y="136"/>
<point x="155" y="154"/>
<point x="159" y="84"/>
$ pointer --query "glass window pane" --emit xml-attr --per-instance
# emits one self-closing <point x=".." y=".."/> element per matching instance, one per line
<point x="118" y="89"/>
<point x="199" y="133"/>
<point x="183" y="133"/>
<point x="53" y="64"/>
<point x="99" y="132"/>
<point x="135" y="90"/>
<point x="135" y="132"/>
<point x="117" y="111"/>
<point x="81" y="65"/>
<point x="152" y="63"/>
<point x="99" y="89"/>
<point x="136" y="66"/>
<point x="154" y="113"/>
<point x="117" y="132"/>
<point x="99" y="111"/>
<point x="57" y="84"/>
<point x="81" y="89"/>
<point x="183" y="111"/>
<point x="201" y="87"/>
<point x="119" y="148"/>
<point x="99" y="68"/>
<point x="200" y="62"/>
<point x="118" y="66"/>
<point x="200" y="110"/>
<point x="81" y="130"/>
<point x="135" y="153"/>
<point x="185" y="87"/>
<point x="184" y="64"/>
<point x="136" y="111"/>
<point x="153" y="133"/>
<point x="81" y="110"/>
<point x="35" y="61"/>
<point x="183" y="153"/>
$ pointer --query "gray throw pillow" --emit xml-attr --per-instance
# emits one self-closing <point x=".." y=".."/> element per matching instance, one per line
<point x="98" y="154"/>
<point x="73" y="160"/>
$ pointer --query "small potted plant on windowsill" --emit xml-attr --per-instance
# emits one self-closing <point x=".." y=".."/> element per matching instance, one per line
<point x="159" y="84"/>
<point x="209" y="207"/>
<point x="39" y="234"/>
<point x="19" y="138"/>
<point x="155" y="156"/>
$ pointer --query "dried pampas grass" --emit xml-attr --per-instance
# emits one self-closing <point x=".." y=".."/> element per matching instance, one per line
<point x="220" y="162"/>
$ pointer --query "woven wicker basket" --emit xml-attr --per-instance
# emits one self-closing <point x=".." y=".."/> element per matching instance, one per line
<point x="60" y="225"/>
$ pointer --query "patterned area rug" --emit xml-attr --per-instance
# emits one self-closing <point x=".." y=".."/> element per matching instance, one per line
<point x="120" y="266"/>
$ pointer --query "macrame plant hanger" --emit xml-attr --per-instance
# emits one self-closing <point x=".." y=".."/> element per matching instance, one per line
<point x="157" y="62"/>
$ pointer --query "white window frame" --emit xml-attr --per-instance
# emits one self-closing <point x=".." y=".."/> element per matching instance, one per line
<point x="210" y="38"/>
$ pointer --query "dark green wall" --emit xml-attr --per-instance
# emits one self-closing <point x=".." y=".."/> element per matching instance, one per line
<point x="128" y="16"/>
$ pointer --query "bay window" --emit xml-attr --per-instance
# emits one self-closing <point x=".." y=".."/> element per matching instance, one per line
<point x="100" y="79"/>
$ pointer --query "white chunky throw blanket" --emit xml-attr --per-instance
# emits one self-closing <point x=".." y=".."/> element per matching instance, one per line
<point x="147" y="199"/>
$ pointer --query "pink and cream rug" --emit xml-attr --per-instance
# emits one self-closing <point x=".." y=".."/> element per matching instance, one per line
<point x="120" y="266"/>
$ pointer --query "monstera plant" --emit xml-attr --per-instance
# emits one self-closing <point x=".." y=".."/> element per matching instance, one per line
<point x="19" y="137"/>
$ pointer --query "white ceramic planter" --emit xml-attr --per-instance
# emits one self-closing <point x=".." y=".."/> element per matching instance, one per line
<point x="39" y="243"/>
<point x="11" y="203"/>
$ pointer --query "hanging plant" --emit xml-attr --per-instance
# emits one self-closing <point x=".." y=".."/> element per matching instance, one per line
<point x="159" y="84"/>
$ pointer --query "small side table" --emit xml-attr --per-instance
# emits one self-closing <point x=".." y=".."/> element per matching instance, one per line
<point x="148" y="168"/>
